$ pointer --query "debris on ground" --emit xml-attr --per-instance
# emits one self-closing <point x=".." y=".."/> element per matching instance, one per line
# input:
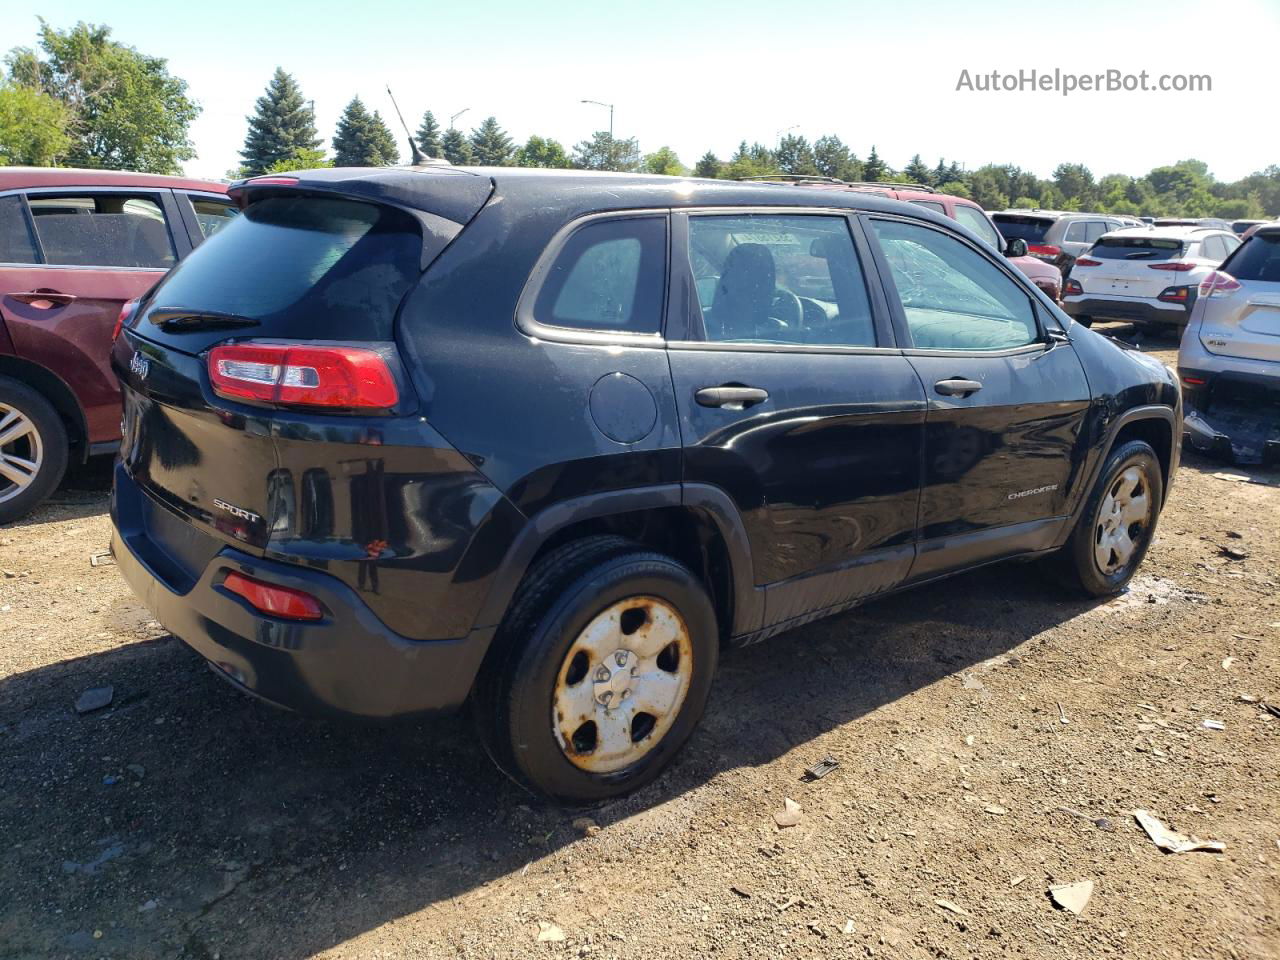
<point x="95" y="698"/>
<point x="104" y="559"/>
<point x="995" y="808"/>
<point x="820" y="769"/>
<point x="1234" y="553"/>
<point x="952" y="908"/>
<point x="137" y="769"/>
<point x="1062" y="715"/>
<point x="1227" y="662"/>
<point x="789" y="815"/>
<point x="1271" y="708"/>
<point x="1171" y="841"/>
<point x="1214" y="725"/>
<point x="587" y="826"/>
<point x="1072" y="896"/>
<point x="1017" y="880"/>
<point x="740" y="891"/>
<point x="549" y="933"/>
<point x="790" y="902"/>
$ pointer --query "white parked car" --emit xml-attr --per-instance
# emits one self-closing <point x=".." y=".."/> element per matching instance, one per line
<point x="1145" y="275"/>
<point x="1229" y="363"/>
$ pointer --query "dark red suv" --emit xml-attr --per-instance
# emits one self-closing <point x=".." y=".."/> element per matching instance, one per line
<point x="75" y="247"/>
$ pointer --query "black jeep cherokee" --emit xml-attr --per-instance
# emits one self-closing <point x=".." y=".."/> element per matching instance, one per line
<point x="544" y="441"/>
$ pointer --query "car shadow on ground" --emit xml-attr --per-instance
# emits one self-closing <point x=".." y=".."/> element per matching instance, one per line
<point x="168" y="819"/>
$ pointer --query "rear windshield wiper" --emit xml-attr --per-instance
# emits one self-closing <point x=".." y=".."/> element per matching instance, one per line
<point x="174" y="320"/>
<point x="1140" y="255"/>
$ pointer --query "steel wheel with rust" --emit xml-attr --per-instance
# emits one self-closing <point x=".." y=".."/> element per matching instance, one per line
<point x="600" y="672"/>
<point x="1117" y="522"/>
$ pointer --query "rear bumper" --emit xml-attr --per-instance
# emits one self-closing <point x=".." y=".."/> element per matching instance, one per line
<point x="1133" y="309"/>
<point x="348" y="663"/>
<point x="1233" y="414"/>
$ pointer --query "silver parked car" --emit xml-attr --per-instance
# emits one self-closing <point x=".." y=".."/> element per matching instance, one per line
<point x="1229" y="363"/>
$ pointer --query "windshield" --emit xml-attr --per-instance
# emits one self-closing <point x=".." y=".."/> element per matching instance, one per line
<point x="1258" y="259"/>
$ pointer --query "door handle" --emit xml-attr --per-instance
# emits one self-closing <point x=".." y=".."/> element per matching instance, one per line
<point x="44" y="299"/>
<point x="731" y="397"/>
<point x="957" y="387"/>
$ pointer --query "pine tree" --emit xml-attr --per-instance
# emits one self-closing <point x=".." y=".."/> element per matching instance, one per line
<point x="455" y="147"/>
<point x="831" y="156"/>
<point x="362" y="139"/>
<point x="490" y="145"/>
<point x="708" y="166"/>
<point x="874" y="169"/>
<point x="940" y="172"/>
<point x="429" y="136"/>
<point x="282" y="128"/>
<point x="795" y="156"/>
<point x="917" y="172"/>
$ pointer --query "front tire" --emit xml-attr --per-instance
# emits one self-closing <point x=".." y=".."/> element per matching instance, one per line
<point x="601" y="671"/>
<point x="1117" y="524"/>
<point x="33" y="449"/>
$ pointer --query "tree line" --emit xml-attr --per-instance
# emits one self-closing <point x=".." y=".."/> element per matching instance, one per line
<point x="85" y="99"/>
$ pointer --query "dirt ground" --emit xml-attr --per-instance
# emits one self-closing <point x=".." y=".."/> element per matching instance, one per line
<point x="993" y="737"/>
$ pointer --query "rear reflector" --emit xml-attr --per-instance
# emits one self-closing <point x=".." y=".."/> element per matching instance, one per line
<point x="1086" y="262"/>
<point x="298" y="375"/>
<point x="1219" y="284"/>
<point x="1174" y="294"/>
<point x="1174" y="265"/>
<point x="272" y="600"/>
<point x="1193" y="381"/>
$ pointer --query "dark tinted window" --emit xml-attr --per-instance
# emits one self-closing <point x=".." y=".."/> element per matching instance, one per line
<point x="102" y="230"/>
<point x="779" y="279"/>
<point x="1030" y="229"/>
<point x="16" y="242"/>
<point x="1257" y="259"/>
<point x="1136" y="248"/>
<point x="608" y="276"/>
<point x="953" y="297"/>
<point x="301" y="266"/>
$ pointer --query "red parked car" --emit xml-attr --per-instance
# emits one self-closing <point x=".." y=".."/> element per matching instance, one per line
<point x="75" y="247"/>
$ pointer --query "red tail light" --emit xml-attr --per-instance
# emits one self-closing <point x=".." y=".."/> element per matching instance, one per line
<point x="1047" y="250"/>
<point x="310" y="376"/>
<point x="1175" y="265"/>
<point x="1193" y="381"/>
<point x="126" y="311"/>
<point x="1219" y="284"/>
<point x="283" y="602"/>
<point x="1087" y="262"/>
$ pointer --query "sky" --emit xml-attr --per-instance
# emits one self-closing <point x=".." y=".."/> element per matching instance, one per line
<point x="701" y="76"/>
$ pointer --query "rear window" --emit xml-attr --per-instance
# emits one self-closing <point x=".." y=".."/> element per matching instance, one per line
<point x="1136" y="248"/>
<point x="320" y="268"/>
<point x="1030" y="229"/>
<point x="1258" y="259"/>
<point x="16" y="243"/>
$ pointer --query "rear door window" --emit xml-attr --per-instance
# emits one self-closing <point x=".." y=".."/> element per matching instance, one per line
<point x="610" y="275"/>
<point x="103" y="230"/>
<point x="1136" y="248"/>
<point x="952" y="296"/>
<point x="763" y="278"/>
<point x="933" y="205"/>
<point x="977" y="221"/>
<point x="1030" y="229"/>
<point x="16" y="243"/>
<point x="317" y="268"/>
<point x="1211" y="248"/>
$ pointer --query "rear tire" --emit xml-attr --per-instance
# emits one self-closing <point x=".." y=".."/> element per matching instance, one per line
<point x="33" y="449"/>
<point x="1116" y="525"/>
<point x="558" y="709"/>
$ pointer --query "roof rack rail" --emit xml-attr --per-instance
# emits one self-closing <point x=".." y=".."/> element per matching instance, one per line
<point x="890" y="185"/>
<point x="793" y="178"/>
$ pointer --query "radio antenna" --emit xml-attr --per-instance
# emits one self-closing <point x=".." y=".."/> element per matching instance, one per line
<point x="418" y="158"/>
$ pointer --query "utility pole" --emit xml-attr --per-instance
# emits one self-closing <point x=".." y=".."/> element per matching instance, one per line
<point x="610" y="107"/>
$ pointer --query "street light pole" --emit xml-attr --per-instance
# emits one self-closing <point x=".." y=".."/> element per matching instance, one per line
<point x="610" y="106"/>
<point x="457" y="115"/>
